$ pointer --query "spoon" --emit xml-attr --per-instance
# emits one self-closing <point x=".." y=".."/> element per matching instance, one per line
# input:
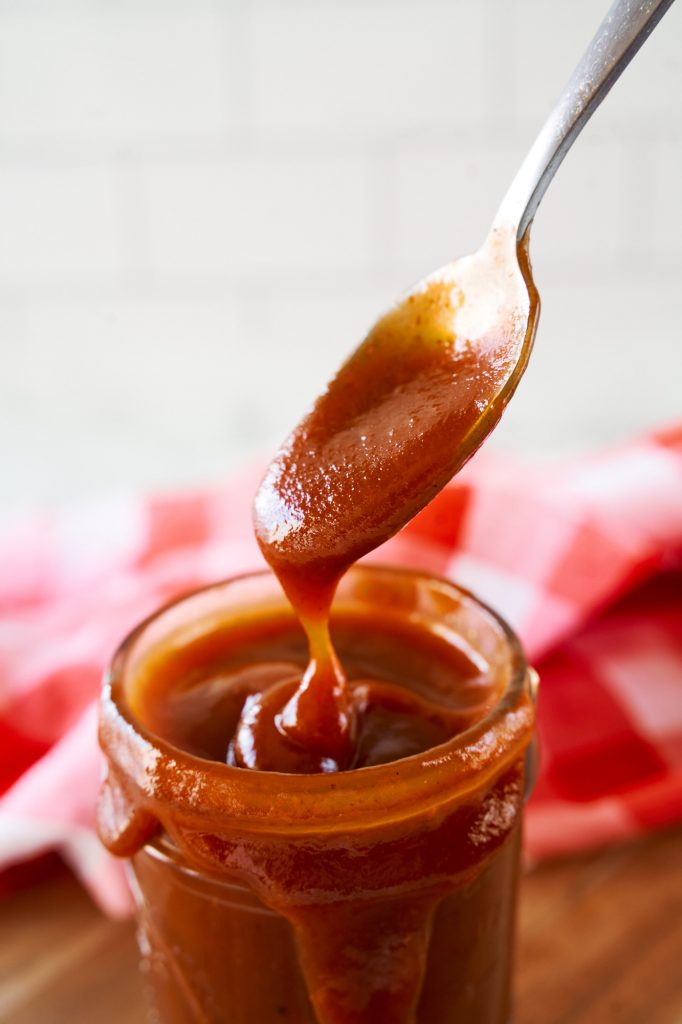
<point x="467" y="329"/>
<point x="418" y="397"/>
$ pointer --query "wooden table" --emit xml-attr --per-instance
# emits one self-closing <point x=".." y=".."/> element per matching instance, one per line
<point x="600" y="942"/>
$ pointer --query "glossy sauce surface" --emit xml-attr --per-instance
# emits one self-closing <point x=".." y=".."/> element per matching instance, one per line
<point x="410" y="690"/>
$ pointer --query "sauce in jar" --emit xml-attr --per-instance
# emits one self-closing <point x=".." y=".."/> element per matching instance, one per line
<point x="382" y="893"/>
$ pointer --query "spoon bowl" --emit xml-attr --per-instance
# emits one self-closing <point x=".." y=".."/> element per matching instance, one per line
<point x="402" y="415"/>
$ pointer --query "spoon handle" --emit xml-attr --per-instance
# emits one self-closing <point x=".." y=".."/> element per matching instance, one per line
<point x="618" y="38"/>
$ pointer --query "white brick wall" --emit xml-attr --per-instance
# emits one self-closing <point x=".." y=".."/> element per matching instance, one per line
<point x="272" y="213"/>
<point x="662" y="194"/>
<point x="372" y="69"/>
<point x="58" y="224"/>
<point x="199" y="194"/>
<point x="103" y="74"/>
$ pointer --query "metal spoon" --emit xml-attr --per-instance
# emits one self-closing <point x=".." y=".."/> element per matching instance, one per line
<point x="433" y="376"/>
<point x="416" y="399"/>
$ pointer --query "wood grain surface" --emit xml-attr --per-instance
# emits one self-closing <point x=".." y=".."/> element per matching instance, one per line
<point x="600" y="942"/>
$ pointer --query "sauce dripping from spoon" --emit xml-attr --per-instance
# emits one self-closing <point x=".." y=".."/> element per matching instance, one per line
<point x="415" y="401"/>
<point x="400" y="418"/>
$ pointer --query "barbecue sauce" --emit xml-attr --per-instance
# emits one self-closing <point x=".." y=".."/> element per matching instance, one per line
<point x="390" y="879"/>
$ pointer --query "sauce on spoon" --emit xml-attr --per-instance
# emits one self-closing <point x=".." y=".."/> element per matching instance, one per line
<point x="401" y="417"/>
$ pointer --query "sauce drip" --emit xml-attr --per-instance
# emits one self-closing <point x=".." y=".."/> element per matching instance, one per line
<point x="401" y="417"/>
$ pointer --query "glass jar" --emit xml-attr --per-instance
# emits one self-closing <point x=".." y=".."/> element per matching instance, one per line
<point x="383" y="895"/>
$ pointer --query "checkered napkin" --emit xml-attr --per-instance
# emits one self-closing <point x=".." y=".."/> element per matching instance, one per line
<point x="584" y="560"/>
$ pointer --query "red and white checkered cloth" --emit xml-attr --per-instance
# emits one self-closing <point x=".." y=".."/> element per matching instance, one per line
<point x="584" y="560"/>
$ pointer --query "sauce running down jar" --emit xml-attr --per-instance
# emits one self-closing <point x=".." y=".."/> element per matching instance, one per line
<point x="383" y="894"/>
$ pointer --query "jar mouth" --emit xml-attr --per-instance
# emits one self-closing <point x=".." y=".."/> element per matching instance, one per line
<point x="213" y="791"/>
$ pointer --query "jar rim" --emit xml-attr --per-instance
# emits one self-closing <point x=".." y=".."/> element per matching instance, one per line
<point x="358" y="798"/>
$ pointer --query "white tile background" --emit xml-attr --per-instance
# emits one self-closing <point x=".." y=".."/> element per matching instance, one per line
<point x="203" y="205"/>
